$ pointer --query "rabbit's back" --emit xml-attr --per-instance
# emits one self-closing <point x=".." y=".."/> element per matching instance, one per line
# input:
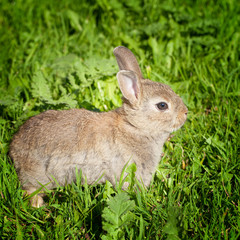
<point x="48" y="131"/>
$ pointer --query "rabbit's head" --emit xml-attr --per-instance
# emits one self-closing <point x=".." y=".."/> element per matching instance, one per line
<point x="150" y="106"/>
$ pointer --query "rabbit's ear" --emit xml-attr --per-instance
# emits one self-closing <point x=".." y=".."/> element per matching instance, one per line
<point x="126" y="60"/>
<point x="130" y="85"/>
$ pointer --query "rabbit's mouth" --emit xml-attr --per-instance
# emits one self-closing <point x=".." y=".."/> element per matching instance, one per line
<point x="176" y="128"/>
<point x="179" y="124"/>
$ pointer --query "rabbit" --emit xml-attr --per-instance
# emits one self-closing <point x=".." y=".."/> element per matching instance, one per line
<point x="53" y="144"/>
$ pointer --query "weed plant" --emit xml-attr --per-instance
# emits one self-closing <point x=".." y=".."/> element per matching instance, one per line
<point x="58" y="55"/>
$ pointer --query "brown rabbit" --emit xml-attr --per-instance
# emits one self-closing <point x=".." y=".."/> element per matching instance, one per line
<point x="55" y="143"/>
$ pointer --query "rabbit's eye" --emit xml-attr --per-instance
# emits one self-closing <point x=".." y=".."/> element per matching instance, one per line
<point x="162" y="106"/>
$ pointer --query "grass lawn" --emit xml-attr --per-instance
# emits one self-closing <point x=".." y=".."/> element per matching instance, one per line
<point x="59" y="55"/>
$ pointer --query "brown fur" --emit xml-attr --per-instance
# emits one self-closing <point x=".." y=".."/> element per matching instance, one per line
<point x="55" y="143"/>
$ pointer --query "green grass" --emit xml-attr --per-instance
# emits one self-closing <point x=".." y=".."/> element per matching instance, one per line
<point x="58" y="55"/>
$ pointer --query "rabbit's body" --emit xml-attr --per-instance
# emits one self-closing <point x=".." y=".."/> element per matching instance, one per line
<point x="54" y="143"/>
<point x="99" y="144"/>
